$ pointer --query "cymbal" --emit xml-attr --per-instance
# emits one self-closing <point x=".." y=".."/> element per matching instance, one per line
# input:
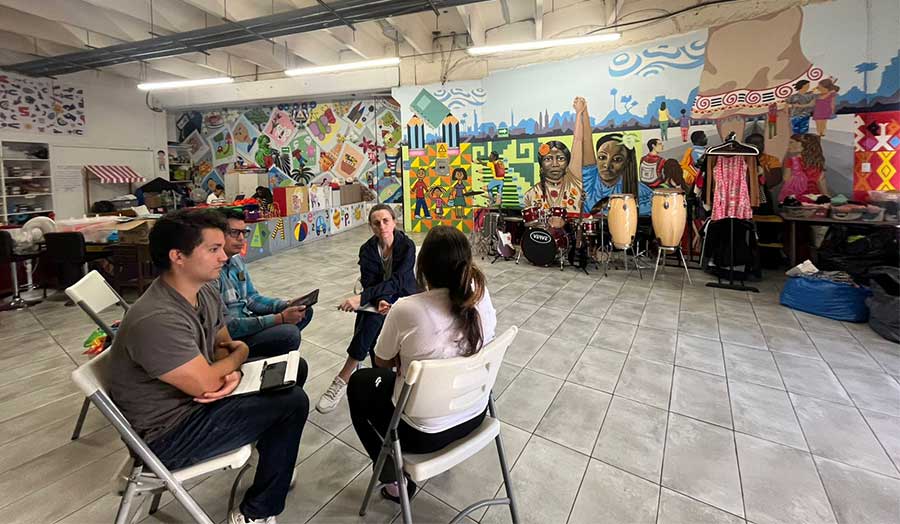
<point x="473" y="193"/>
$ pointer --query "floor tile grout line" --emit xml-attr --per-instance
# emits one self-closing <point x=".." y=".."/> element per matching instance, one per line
<point x="734" y="434"/>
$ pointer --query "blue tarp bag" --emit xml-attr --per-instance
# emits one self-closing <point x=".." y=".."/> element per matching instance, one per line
<point x="825" y="298"/>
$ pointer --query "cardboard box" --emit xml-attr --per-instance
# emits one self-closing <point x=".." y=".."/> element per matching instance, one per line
<point x="351" y="194"/>
<point x="136" y="231"/>
<point x="291" y="200"/>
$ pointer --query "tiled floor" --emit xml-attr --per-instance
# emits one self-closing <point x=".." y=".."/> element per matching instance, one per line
<point x="622" y="402"/>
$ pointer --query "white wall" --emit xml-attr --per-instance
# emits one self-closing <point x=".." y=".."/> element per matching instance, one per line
<point x="120" y="129"/>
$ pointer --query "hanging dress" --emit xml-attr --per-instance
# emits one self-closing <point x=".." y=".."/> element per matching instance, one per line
<point x="732" y="197"/>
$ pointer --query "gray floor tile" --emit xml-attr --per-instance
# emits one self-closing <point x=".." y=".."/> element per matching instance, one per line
<point x="665" y="317"/>
<point x="565" y="300"/>
<point x="766" y="413"/>
<point x="593" y="305"/>
<point x="632" y="438"/>
<point x="816" y="324"/>
<point x="504" y="377"/>
<point x="700" y="461"/>
<point x="675" y="508"/>
<point x="840" y="433"/>
<point x="345" y="506"/>
<point x="810" y="377"/>
<point x="598" y="368"/>
<point x="617" y="336"/>
<point x="654" y="344"/>
<point x="545" y="479"/>
<point x="527" y="398"/>
<point x="887" y="431"/>
<point x="645" y="381"/>
<point x="790" y="341"/>
<point x="623" y="311"/>
<point x="751" y="365"/>
<point x="633" y="294"/>
<point x="610" y="495"/>
<point x="744" y="332"/>
<point x="870" y="390"/>
<point x="574" y="418"/>
<point x="545" y="320"/>
<point x="780" y="484"/>
<point x="577" y="328"/>
<point x="556" y="357"/>
<point x="701" y="396"/>
<point x="524" y="346"/>
<point x="698" y="353"/>
<point x="703" y="325"/>
<point x="479" y="476"/>
<point x="859" y="496"/>
<point x="844" y="352"/>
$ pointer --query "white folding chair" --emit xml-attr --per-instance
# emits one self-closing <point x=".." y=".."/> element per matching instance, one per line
<point x="437" y="388"/>
<point x="93" y="294"/>
<point x="92" y="378"/>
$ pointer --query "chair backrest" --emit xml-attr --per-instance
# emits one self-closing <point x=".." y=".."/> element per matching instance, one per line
<point x="93" y="294"/>
<point x="94" y="375"/>
<point x="66" y="246"/>
<point x="446" y="386"/>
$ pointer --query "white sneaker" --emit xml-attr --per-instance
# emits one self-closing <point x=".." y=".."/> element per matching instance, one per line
<point x="236" y="517"/>
<point x="330" y="398"/>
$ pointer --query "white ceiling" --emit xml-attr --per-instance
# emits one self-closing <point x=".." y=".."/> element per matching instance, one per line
<point x="31" y="29"/>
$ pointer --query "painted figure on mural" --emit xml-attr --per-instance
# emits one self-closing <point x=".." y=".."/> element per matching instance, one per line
<point x="664" y="119"/>
<point x="823" y="111"/>
<point x="770" y="172"/>
<point x="459" y="192"/>
<point x="772" y="119"/>
<point x="437" y="200"/>
<point x="684" y="122"/>
<point x="690" y="157"/>
<point x="419" y="188"/>
<point x="557" y="185"/>
<point x="609" y="167"/>
<point x="801" y="105"/>
<point x="651" y="168"/>
<point x="804" y="168"/>
<point x="498" y="172"/>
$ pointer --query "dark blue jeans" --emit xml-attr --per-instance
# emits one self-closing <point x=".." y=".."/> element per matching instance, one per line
<point x="365" y="334"/>
<point x="274" y="421"/>
<point x="276" y="340"/>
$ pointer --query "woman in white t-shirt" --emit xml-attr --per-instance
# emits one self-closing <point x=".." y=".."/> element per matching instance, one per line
<point x="452" y="316"/>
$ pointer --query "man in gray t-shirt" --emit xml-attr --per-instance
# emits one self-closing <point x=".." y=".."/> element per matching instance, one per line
<point x="800" y="107"/>
<point x="173" y="363"/>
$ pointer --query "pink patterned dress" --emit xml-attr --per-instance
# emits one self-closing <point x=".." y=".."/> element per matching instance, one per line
<point x="732" y="197"/>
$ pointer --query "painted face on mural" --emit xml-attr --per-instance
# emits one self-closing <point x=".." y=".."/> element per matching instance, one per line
<point x="554" y="165"/>
<point x="611" y="162"/>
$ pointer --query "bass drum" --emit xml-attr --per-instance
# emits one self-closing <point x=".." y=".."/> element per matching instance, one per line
<point x="541" y="247"/>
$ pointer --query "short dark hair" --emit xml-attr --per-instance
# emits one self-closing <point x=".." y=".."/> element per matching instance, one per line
<point x="697" y="136"/>
<point x="231" y="213"/>
<point x="382" y="207"/>
<point x="798" y="85"/>
<point x="220" y="186"/>
<point x="650" y="143"/>
<point x="181" y="230"/>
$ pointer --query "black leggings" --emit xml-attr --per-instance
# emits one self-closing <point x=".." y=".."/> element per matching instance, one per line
<point x="369" y="395"/>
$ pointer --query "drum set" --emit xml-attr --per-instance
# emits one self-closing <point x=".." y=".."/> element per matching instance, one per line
<point x="550" y="237"/>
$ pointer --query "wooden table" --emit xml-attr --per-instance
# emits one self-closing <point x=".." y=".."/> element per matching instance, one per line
<point x="827" y="222"/>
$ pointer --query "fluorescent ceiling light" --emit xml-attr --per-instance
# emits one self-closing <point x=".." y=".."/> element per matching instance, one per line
<point x="543" y="44"/>
<point x="176" y="84"/>
<point x="338" y="68"/>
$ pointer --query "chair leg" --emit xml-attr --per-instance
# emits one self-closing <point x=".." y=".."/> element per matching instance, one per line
<point x="154" y="504"/>
<point x="234" y="487"/>
<point x="128" y="496"/>
<point x="80" y="421"/>
<point x="507" y="481"/>
<point x="376" y="474"/>
<point x="401" y="483"/>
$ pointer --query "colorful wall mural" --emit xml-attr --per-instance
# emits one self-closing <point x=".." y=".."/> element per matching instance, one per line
<point x="40" y="105"/>
<point x="300" y="143"/>
<point x="817" y="69"/>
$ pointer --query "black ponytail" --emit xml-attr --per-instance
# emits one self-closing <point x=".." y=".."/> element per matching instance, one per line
<point x="445" y="261"/>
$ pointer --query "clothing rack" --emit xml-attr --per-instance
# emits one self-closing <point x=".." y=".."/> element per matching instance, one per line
<point x="731" y="147"/>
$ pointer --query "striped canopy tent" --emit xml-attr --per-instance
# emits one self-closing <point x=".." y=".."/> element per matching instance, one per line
<point x="108" y="174"/>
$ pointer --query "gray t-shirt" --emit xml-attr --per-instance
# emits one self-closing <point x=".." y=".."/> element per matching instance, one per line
<point x="161" y="332"/>
<point x="801" y="99"/>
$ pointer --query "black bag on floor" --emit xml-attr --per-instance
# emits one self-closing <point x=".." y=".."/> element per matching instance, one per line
<point x="856" y="249"/>
<point x="884" y="304"/>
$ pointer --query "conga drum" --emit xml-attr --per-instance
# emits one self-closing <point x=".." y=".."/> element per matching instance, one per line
<point x="669" y="215"/>
<point x="623" y="218"/>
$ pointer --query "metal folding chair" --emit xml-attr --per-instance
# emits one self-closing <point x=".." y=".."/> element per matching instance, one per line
<point x="93" y="294"/>
<point x="92" y="378"/>
<point x="436" y="388"/>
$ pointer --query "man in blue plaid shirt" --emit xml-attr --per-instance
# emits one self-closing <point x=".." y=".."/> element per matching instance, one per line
<point x="268" y="325"/>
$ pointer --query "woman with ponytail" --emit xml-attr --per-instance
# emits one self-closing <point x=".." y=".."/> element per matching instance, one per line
<point x="452" y="316"/>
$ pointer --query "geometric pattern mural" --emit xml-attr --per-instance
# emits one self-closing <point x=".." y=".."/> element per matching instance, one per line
<point x="876" y="165"/>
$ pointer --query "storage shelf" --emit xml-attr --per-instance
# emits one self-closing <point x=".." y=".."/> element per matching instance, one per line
<point x="21" y="170"/>
<point x="28" y="177"/>
<point x="9" y="159"/>
<point x="29" y="195"/>
<point x="28" y="213"/>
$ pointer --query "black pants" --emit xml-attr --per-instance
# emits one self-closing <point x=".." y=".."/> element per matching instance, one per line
<point x="273" y="420"/>
<point x="365" y="333"/>
<point x="369" y="395"/>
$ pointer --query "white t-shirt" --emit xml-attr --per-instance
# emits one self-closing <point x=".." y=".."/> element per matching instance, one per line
<point x="214" y="199"/>
<point x="421" y="327"/>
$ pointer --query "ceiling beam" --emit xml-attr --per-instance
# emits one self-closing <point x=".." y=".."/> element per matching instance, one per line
<point x="359" y="41"/>
<point x="414" y="30"/>
<point x="473" y="22"/>
<point x="538" y="19"/>
<point x="504" y="8"/>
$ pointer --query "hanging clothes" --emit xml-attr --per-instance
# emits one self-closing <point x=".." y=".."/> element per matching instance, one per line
<point x="732" y="188"/>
